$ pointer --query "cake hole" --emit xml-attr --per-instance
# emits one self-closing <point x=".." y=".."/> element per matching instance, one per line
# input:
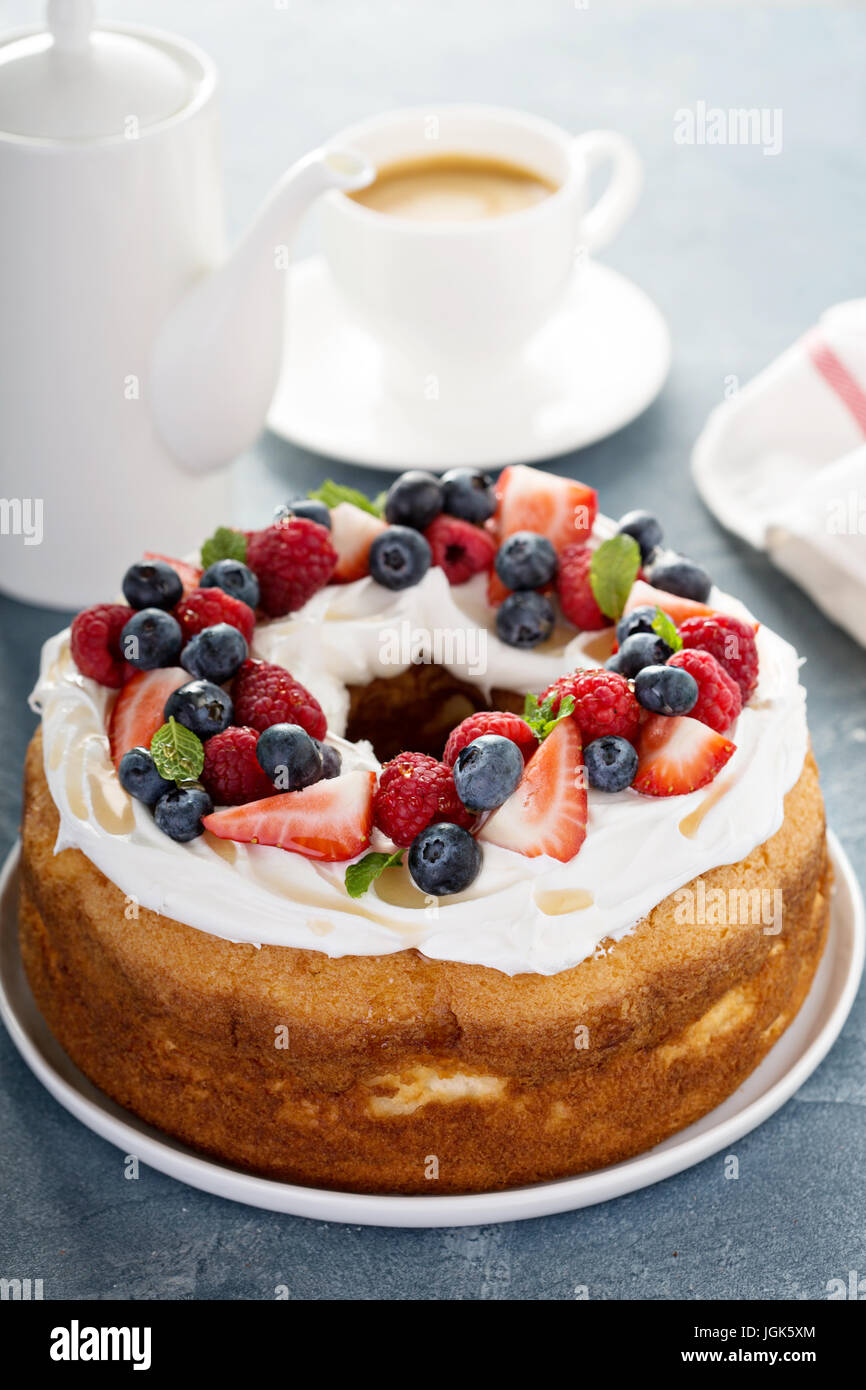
<point x="417" y="710"/>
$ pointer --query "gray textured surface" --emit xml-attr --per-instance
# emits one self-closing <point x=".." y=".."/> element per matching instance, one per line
<point x="742" y="252"/>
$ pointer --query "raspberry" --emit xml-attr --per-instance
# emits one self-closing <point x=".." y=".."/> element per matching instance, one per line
<point x="491" y="721"/>
<point x="460" y="548"/>
<point x="576" y="598"/>
<point x="264" y="695"/>
<point x="231" y="771"/>
<point x="415" y="791"/>
<point x="719" y="699"/>
<point x="732" y="643"/>
<point x="292" y="560"/>
<point x="95" y="643"/>
<point x="604" y="703"/>
<point x="203" y="608"/>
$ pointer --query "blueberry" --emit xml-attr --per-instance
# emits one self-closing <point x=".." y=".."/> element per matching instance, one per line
<point x="469" y="494"/>
<point x="415" y="499"/>
<point x="179" y="812"/>
<point x="525" y="561"/>
<point x="332" y="759"/>
<point x="638" y="620"/>
<point x="610" y="763"/>
<point x="233" y="577"/>
<point x="138" y="776"/>
<point x="639" y="650"/>
<point x="487" y="771"/>
<point x="646" y="530"/>
<point x="151" y="638"/>
<point x="289" y="757"/>
<point x="444" y="859"/>
<point x="200" y="706"/>
<point x="399" y="557"/>
<point x="152" y="584"/>
<point x="309" y="507"/>
<point x="215" y="654"/>
<point x="677" y="575"/>
<point x="666" y="689"/>
<point x="525" y="618"/>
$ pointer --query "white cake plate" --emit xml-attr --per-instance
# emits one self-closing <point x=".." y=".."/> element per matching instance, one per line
<point x="794" y="1057"/>
<point x="599" y="361"/>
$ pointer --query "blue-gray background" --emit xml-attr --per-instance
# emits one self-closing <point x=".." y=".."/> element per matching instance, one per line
<point x="742" y="252"/>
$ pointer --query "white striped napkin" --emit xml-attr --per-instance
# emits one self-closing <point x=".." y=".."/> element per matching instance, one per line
<point x="783" y="463"/>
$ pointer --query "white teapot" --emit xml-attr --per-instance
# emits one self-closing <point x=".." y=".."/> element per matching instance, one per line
<point x="136" y="359"/>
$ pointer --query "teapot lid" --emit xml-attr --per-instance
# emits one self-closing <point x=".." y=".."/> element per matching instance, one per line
<point x="72" y="83"/>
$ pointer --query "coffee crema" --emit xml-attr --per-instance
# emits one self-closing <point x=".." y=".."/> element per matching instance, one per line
<point x="453" y="188"/>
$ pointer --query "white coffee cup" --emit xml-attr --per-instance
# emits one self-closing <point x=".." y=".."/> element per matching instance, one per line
<point x="453" y="301"/>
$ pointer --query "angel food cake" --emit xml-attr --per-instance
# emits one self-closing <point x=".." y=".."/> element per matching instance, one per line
<point x="446" y="843"/>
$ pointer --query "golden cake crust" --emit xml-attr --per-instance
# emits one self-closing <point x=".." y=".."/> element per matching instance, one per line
<point x="401" y="1074"/>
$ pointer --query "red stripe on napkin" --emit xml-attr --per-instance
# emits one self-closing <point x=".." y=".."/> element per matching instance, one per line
<point x="838" y="377"/>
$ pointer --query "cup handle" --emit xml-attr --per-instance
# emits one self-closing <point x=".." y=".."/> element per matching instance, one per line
<point x="603" y="220"/>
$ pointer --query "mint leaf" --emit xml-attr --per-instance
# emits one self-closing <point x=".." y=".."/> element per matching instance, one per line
<point x="177" y="752"/>
<point x="530" y="710"/>
<point x="541" y="718"/>
<point x="612" y="571"/>
<point x="224" y="544"/>
<point x="664" y="628"/>
<point x="332" y="494"/>
<point x="359" y="876"/>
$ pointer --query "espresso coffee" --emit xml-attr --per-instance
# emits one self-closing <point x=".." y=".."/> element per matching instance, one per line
<point x="453" y="188"/>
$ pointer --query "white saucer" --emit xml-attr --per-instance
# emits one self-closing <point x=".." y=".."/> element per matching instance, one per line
<point x="785" y="1068"/>
<point x="596" y="365"/>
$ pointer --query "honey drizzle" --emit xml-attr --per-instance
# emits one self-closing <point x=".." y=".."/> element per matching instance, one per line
<point x="76" y="759"/>
<point x="395" y="887"/>
<point x="112" y="806"/>
<point x="70" y="732"/>
<point x="555" y="902"/>
<point x="691" y="824"/>
<point x="226" y="849"/>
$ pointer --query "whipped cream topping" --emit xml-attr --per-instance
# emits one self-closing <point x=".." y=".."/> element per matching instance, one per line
<point x="521" y="914"/>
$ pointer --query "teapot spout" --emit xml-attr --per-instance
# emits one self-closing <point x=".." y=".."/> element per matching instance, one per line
<point x="216" y="359"/>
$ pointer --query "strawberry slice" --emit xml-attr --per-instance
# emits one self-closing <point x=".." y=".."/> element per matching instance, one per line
<point x="189" y="575"/>
<point x="137" y="712"/>
<point x="677" y="755"/>
<point x="530" y="500"/>
<point x="329" y="820"/>
<point x="547" y="812"/>
<point x="353" y="531"/>
<point x="677" y="609"/>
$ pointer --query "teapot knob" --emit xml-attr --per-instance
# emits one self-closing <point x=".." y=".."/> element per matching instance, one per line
<point x="70" y="22"/>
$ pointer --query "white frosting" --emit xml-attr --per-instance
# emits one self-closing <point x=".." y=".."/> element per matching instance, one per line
<point x="512" y="918"/>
